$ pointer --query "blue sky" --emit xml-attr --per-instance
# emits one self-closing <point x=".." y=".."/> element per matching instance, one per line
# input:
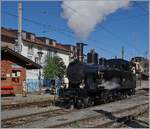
<point x="126" y="27"/>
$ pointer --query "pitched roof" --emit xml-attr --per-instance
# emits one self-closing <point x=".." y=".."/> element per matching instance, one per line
<point x="8" y="53"/>
<point x="13" y="33"/>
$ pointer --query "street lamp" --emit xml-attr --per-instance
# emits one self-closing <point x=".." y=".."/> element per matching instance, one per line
<point x="40" y="56"/>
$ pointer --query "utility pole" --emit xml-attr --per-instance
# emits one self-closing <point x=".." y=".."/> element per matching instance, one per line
<point x="19" y="42"/>
<point x="122" y="52"/>
<point x="146" y="55"/>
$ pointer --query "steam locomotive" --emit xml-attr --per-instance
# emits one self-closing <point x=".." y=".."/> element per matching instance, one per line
<point x="91" y="84"/>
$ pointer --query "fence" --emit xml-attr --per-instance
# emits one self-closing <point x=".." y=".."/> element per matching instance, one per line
<point x="33" y="84"/>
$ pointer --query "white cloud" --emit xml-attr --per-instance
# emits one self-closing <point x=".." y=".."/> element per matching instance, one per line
<point x="83" y="16"/>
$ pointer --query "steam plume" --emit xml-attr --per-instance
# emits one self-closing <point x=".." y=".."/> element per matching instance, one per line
<point x="114" y="83"/>
<point x="83" y="16"/>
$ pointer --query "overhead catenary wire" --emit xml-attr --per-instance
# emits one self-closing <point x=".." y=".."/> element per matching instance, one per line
<point x="68" y="34"/>
<point x="104" y="28"/>
<point x="41" y="24"/>
<point x="116" y="19"/>
<point x="93" y="40"/>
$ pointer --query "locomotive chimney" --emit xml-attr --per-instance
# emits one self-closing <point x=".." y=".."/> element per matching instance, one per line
<point x="80" y="55"/>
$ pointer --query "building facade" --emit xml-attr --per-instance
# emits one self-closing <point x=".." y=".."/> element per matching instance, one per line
<point x="37" y="49"/>
<point x="141" y="67"/>
<point x="141" y="64"/>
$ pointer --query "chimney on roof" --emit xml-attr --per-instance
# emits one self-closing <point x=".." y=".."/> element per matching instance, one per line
<point x="47" y="41"/>
<point x="32" y="37"/>
<point x="54" y="43"/>
<point x="71" y="48"/>
<point x="24" y="35"/>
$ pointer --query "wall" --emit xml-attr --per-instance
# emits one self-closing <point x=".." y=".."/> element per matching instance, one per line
<point x="33" y="74"/>
<point x="10" y="45"/>
<point x="8" y="78"/>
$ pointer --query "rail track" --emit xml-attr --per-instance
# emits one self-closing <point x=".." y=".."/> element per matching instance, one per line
<point x="107" y="119"/>
<point x="29" y="104"/>
<point x="20" y="120"/>
<point x="124" y="117"/>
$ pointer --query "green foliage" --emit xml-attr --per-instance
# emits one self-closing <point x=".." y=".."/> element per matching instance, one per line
<point x="75" y="124"/>
<point x="54" y="68"/>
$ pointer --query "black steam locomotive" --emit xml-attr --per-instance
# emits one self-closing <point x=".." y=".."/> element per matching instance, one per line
<point x="91" y="84"/>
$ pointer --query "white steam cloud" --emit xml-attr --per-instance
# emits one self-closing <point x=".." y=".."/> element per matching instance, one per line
<point x="83" y="16"/>
<point x="114" y="83"/>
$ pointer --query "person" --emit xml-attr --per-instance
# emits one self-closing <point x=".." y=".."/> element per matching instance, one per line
<point x="53" y="87"/>
<point x="24" y="91"/>
<point x="65" y="82"/>
<point x="133" y="70"/>
<point x="82" y="85"/>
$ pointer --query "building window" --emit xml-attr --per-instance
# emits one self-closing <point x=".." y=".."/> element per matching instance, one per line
<point x="55" y="53"/>
<point x="28" y="36"/>
<point x="36" y="59"/>
<point x="30" y="57"/>
<point x="49" y="53"/>
<point x="54" y="43"/>
<point x="15" y="76"/>
<point x="3" y="78"/>
<point x="39" y="49"/>
<point x="30" y="49"/>
<point x="24" y="35"/>
<point x="20" y="47"/>
<point x="138" y="66"/>
<point x="32" y="37"/>
<point x="16" y="73"/>
<point x="47" y="41"/>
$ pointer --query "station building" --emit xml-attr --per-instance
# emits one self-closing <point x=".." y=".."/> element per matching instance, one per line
<point x="13" y="70"/>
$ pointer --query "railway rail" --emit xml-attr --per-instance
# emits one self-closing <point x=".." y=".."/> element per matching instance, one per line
<point x="19" y="120"/>
<point x="29" y="104"/>
<point x="107" y="119"/>
<point x="124" y="113"/>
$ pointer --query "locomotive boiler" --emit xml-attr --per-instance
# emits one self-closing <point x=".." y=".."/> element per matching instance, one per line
<point x="91" y="84"/>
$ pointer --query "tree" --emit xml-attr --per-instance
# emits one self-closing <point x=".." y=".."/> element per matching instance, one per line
<point x="54" y="68"/>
